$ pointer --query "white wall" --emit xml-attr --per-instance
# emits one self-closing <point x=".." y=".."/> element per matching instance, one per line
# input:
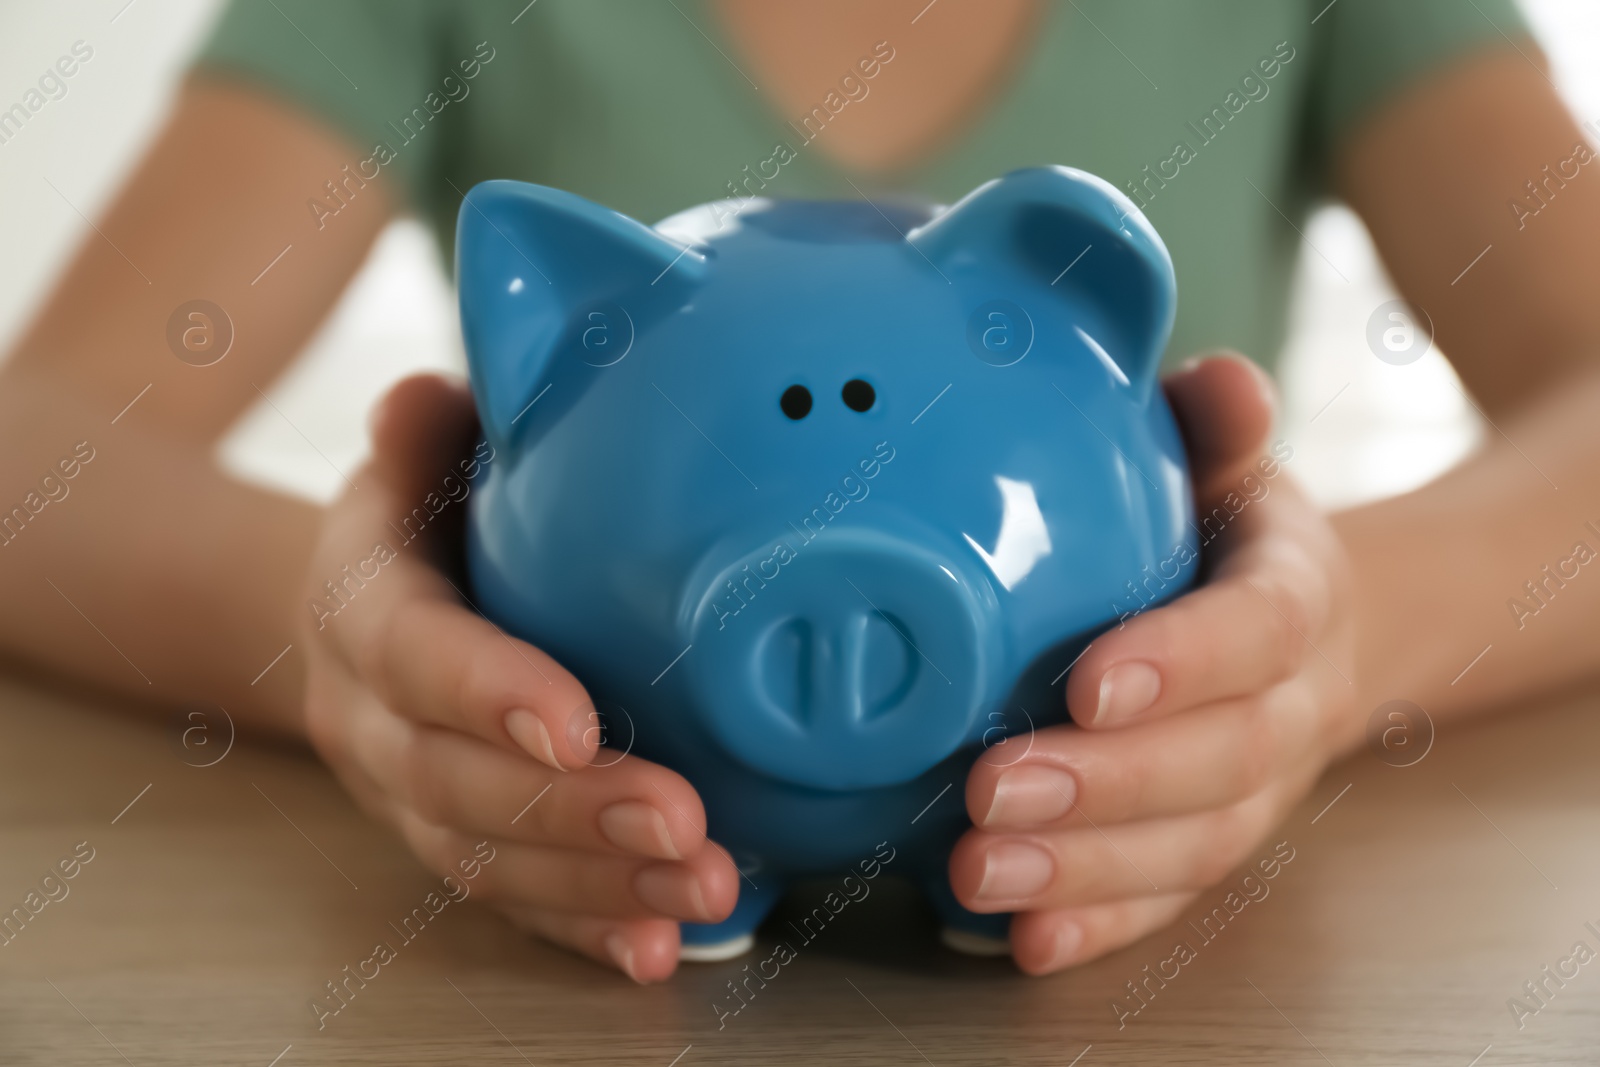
<point x="397" y="317"/>
<point x="83" y="142"/>
<point x="1390" y="429"/>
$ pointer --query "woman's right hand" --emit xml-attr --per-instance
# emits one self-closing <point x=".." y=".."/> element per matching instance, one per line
<point x="456" y="733"/>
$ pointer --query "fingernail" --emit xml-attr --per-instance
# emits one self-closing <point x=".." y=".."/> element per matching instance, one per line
<point x="1029" y="795"/>
<point x="1065" y="945"/>
<point x="621" y="953"/>
<point x="673" y="891"/>
<point x="638" y="827"/>
<point x="583" y="731"/>
<point x="1125" y="691"/>
<point x="528" y="730"/>
<point x="1013" y="870"/>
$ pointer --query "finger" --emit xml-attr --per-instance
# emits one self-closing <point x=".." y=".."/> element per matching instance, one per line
<point x="700" y="889"/>
<point x="439" y="664"/>
<point x="398" y="622"/>
<point x="1076" y="867"/>
<point x="1224" y="405"/>
<point x="1211" y="758"/>
<point x="426" y="450"/>
<point x="1251" y="626"/>
<point x="646" y="950"/>
<point x="331" y="707"/>
<point x="1227" y="638"/>
<point x="1047" y="941"/>
<point x="631" y="808"/>
<point x="420" y="428"/>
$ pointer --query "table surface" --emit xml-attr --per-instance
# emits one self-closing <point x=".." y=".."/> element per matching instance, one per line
<point x="220" y="899"/>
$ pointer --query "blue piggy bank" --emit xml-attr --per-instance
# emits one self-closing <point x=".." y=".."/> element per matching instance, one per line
<point x="819" y="500"/>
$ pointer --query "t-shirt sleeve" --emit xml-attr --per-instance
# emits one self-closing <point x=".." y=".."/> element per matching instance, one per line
<point x="1370" y="51"/>
<point x="359" y="65"/>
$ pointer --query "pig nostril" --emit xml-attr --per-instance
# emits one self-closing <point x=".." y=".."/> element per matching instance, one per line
<point x="796" y="402"/>
<point x="858" y="395"/>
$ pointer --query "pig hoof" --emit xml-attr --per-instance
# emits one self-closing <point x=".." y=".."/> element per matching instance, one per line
<point x="721" y="950"/>
<point x="970" y="944"/>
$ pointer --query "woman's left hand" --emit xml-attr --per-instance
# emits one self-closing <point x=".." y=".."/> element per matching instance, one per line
<point x="1199" y="724"/>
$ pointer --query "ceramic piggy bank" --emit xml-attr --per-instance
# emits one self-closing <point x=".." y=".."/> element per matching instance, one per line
<point x="820" y="500"/>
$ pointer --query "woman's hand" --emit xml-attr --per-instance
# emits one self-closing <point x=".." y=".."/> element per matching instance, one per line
<point x="457" y="733"/>
<point x="1199" y="724"/>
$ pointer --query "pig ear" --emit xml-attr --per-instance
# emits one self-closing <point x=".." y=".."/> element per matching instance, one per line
<point x="530" y="263"/>
<point x="1039" y="221"/>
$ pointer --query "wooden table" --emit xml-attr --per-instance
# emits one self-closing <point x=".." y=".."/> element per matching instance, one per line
<point x="220" y="899"/>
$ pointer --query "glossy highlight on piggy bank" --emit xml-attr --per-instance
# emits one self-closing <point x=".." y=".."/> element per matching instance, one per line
<point x="819" y="500"/>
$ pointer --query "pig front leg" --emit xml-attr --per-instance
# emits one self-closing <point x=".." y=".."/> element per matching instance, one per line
<point x="733" y="936"/>
<point x="969" y="932"/>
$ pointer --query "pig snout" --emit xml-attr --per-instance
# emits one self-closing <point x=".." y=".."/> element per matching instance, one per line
<point x="854" y="660"/>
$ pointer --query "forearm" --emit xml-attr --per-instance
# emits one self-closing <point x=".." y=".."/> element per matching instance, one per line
<point x="148" y="571"/>
<point x="1441" y="572"/>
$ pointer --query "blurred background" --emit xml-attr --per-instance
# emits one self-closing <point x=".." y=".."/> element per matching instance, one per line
<point x="1361" y="428"/>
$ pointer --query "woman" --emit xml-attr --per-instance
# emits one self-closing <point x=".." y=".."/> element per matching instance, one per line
<point x="307" y="126"/>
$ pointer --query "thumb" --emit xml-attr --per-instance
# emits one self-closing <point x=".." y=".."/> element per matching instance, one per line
<point x="1225" y="405"/>
<point x="420" y="429"/>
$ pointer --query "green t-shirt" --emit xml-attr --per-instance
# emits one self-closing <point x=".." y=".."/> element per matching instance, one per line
<point x="1219" y="118"/>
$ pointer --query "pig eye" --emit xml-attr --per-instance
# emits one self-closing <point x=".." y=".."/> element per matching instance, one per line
<point x="796" y="402"/>
<point x="858" y="395"/>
